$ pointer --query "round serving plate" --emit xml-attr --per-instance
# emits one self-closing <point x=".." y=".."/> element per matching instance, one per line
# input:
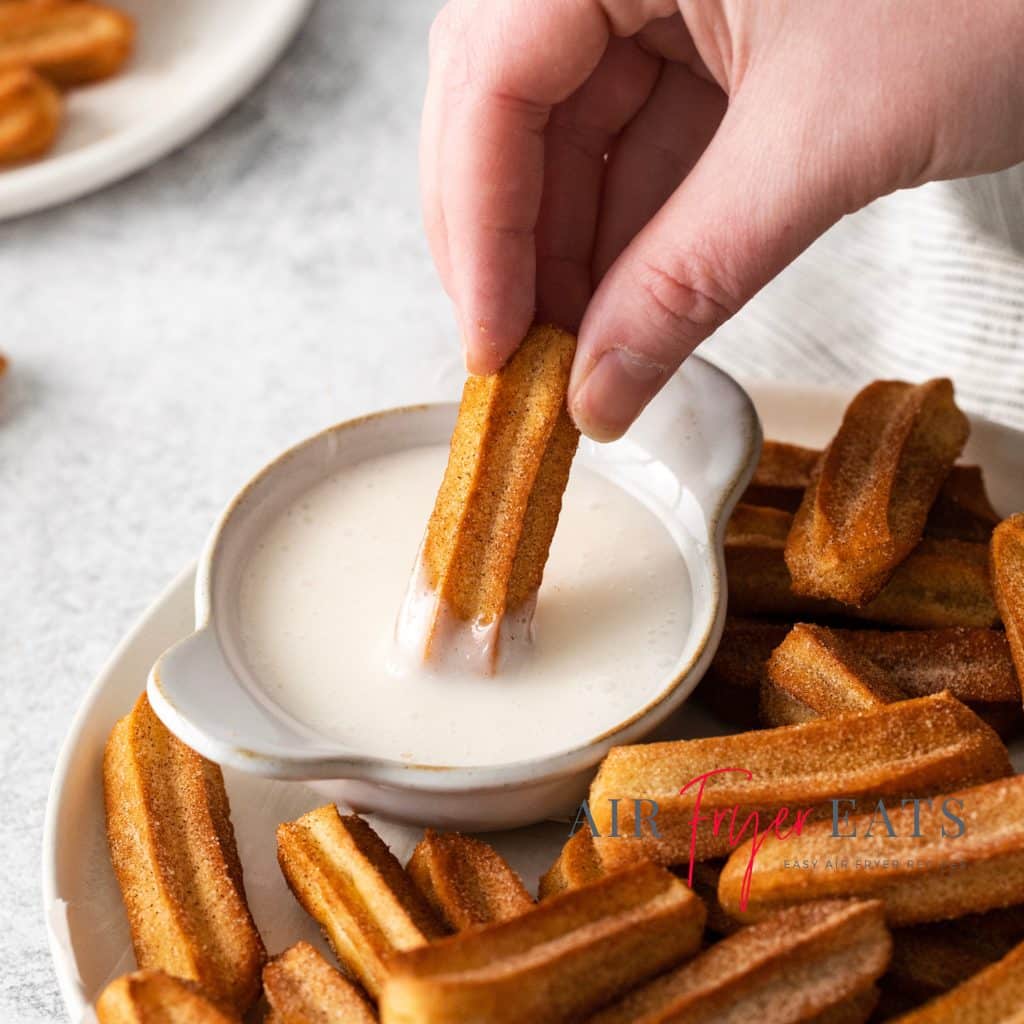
<point x="87" y="927"/>
<point x="193" y="60"/>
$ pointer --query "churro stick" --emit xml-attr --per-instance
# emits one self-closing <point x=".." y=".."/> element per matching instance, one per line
<point x="732" y="683"/>
<point x="977" y="865"/>
<point x="30" y="114"/>
<point x="303" y="988"/>
<point x="69" y="43"/>
<point x="929" y="745"/>
<point x="795" y="967"/>
<point x="348" y="880"/>
<point x="153" y="997"/>
<point x="1007" y="556"/>
<point x="173" y="851"/>
<point x="814" y="673"/>
<point x="466" y="881"/>
<point x="577" y="864"/>
<point x="865" y="507"/>
<point x="940" y="584"/>
<point x="557" y="962"/>
<point x="475" y="583"/>
<point x="781" y="476"/>
<point x="994" y="996"/>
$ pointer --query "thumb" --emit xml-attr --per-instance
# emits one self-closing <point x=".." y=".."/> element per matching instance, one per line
<point x="761" y="192"/>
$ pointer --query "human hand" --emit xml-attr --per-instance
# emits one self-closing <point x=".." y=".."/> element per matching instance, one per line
<point x="636" y="170"/>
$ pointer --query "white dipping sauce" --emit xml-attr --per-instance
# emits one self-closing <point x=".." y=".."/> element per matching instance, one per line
<point x="321" y="592"/>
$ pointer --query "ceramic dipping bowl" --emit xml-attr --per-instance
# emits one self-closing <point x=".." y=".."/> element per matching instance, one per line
<point x="688" y="459"/>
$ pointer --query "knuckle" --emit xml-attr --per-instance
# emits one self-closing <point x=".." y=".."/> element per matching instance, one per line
<point x="688" y="297"/>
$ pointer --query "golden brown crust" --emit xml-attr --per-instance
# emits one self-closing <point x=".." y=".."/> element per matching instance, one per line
<point x="577" y="864"/>
<point x="488" y="536"/>
<point x="794" y="967"/>
<point x="940" y="584"/>
<point x="173" y="851"/>
<point x="30" y="116"/>
<point x="865" y="507"/>
<point x="559" y="961"/>
<point x="923" y="877"/>
<point x="929" y="745"/>
<point x="303" y="988"/>
<point x="994" y="996"/>
<point x="69" y="43"/>
<point x="466" y="881"/>
<point x="348" y="880"/>
<point x="781" y="476"/>
<point x="153" y="997"/>
<point x="1007" y="556"/>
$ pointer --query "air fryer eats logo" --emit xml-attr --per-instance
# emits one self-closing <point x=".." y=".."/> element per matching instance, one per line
<point x="874" y="818"/>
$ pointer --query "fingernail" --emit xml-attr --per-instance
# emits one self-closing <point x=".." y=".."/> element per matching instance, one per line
<point x="614" y="392"/>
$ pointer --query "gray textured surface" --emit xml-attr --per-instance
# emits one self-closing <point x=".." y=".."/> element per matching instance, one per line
<point x="171" y="333"/>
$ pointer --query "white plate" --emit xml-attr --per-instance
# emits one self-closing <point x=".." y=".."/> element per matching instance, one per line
<point x="194" y="58"/>
<point x="87" y="927"/>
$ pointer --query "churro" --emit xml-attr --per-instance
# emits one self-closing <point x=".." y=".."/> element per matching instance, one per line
<point x="993" y="996"/>
<point x="69" y="43"/>
<point x="1007" y="556"/>
<point x="303" y="988"/>
<point x="815" y="673"/>
<point x="559" y="961"/>
<point x="961" y="853"/>
<point x="466" y="881"/>
<point x="922" y="746"/>
<point x="942" y="583"/>
<point x="173" y="851"/>
<point x="781" y="476"/>
<point x="797" y="966"/>
<point x="577" y="864"/>
<point x="30" y="114"/>
<point x="731" y="685"/>
<point x="865" y="507"/>
<point x="153" y="997"/>
<point x="348" y="880"/>
<point x="475" y="583"/>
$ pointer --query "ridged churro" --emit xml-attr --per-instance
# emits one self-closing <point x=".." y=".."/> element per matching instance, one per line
<point x="801" y="965"/>
<point x="69" y="43"/>
<point x="348" y="880"/>
<point x="815" y="673"/>
<point x="153" y="997"/>
<point x="865" y="507"/>
<point x="30" y="115"/>
<point x="481" y="562"/>
<point x="562" y="959"/>
<point x="303" y="988"/>
<point x="994" y="996"/>
<point x="173" y="851"/>
<point x="466" y="881"/>
<point x="977" y="865"/>
<point x="577" y="864"/>
<point x="1007" y="557"/>
<point x="923" y="746"/>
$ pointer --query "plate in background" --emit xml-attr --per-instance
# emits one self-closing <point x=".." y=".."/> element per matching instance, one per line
<point x="193" y="60"/>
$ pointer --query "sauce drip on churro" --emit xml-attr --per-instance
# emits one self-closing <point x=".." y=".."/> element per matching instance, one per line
<point x="317" y="613"/>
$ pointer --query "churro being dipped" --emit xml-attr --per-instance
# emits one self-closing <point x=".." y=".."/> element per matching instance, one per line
<point x="956" y="854"/>
<point x="348" y="880"/>
<point x="69" y="43"/>
<point x="810" y="963"/>
<point x="303" y="988"/>
<point x="865" y="507"/>
<point x="154" y="997"/>
<point x="559" y="961"/>
<point x="923" y="746"/>
<point x="30" y="115"/>
<point x="173" y="851"/>
<point x="475" y="583"/>
<point x="1007" y="557"/>
<point x="466" y="881"/>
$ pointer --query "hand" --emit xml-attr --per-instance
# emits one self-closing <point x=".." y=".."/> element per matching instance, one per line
<point x="637" y="174"/>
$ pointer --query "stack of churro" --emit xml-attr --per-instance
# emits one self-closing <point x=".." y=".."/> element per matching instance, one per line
<point x="857" y="850"/>
<point x="46" y="47"/>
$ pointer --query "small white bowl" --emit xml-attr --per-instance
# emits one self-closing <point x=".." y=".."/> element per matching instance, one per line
<point x="688" y="458"/>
